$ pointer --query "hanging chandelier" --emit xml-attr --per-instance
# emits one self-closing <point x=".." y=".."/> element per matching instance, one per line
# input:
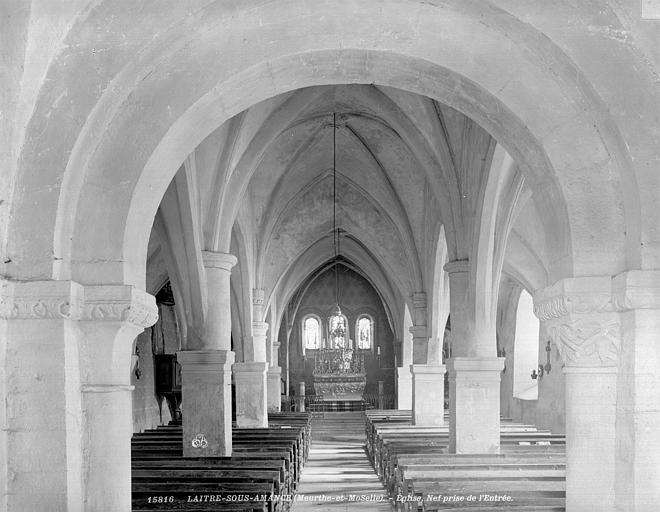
<point x="337" y="328"/>
<point x="336" y="311"/>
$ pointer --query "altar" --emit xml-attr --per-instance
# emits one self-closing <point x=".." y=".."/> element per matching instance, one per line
<point x="339" y="374"/>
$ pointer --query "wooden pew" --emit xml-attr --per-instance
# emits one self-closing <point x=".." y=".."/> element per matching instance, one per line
<point x="420" y="475"/>
<point x="393" y="476"/>
<point x="284" y="484"/>
<point x="261" y="474"/>
<point x="172" y="447"/>
<point x="426" y="445"/>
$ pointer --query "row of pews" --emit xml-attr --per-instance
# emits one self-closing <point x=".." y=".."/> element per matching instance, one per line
<point x="261" y="475"/>
<point x="419" y="473"/>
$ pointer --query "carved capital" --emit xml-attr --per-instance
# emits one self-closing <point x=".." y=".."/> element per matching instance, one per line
<point x="119" y="303"/>
<point x="587" y="340"/>
<point x="68" y="300"/>
<point x="582" y="295"/>
<point x="40" y="300"/>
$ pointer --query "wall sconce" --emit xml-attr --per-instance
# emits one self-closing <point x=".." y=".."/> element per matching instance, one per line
<point x="548" y="366"/>
<point x="543" y="369"/>
<point x="136" y="363"/>
<point x="501" y="352"/>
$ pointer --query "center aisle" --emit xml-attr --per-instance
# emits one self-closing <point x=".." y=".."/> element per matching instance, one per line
<point x="338" y="475"/>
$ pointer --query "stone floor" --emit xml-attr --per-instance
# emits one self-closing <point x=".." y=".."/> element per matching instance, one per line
<point x="338" y="475"/>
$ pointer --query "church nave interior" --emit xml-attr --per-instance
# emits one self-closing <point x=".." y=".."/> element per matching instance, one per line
<point x="260" y="250"/>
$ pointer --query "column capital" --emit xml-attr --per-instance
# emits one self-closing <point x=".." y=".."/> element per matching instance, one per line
<point x="220" y="260"/>
<point x="418" y="370"/>
<point x="274" y="371"/>
<point x="475" y="364"/>
<point x="41" y="300"/>
<point x="120" y="303"/>
<point x="457" y="266"/>
<point x="579" y="295"/>
<point x="632" y="289"/>
<point x="249" y="370"/>
<point x="68" y="300"/>
<point x="587" y="340"/>
<point x="582" y="319"/>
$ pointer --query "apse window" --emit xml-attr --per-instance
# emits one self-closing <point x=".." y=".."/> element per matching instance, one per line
<point x="311" y="332"/>
<point x="526" y="349"/>
<point x="365" y="332"/>
<point x="337" y="331"/>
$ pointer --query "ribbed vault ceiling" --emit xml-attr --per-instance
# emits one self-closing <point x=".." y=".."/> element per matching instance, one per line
<point x="405" y="166"/>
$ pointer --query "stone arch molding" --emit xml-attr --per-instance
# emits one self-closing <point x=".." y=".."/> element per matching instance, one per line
<point x="98" y="166"/>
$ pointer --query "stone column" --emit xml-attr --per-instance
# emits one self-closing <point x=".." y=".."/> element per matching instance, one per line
<point x="428" y="383"/>
<point x="251" y="398"/>
<point x="637" y="295"/>
<point x="206" y="393"/>
<point x="217" y="324"/>
<point x="66" y="416"/>
<point x="428" y="391"/>
<point x="250" y="375"/>
<point x="404" y="377"/>
<point x="580" y="319"/>
<point x="206" y="373"/>
<point x="474" y="376"/>
<point x="112" y="318"/>
<point x="420" y="338"/>
<point x="300" y="399"/>
<point x="474" y="404"/>
<point x="41" y="415"/>
<point x="274" y="378"/>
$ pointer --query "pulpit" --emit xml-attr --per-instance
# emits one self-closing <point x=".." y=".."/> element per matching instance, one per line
<point x="339" y="375"/>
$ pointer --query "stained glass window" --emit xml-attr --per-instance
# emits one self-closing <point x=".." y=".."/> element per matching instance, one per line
<point x="365" y="332"/>
<point x="312" y="333"/>
<point x="337" y="331"/>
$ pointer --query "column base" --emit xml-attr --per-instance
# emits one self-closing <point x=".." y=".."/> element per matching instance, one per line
<point x="273" y="379"/>
<point x="251" y="394"/>
<point x="206" y="395"/>
<point x="474" y="404"/>
<point x="428" y="394"/>
<point x="404" y="389"/>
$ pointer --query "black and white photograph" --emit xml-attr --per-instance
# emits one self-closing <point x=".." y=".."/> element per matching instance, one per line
<point x="329" y="255"/>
